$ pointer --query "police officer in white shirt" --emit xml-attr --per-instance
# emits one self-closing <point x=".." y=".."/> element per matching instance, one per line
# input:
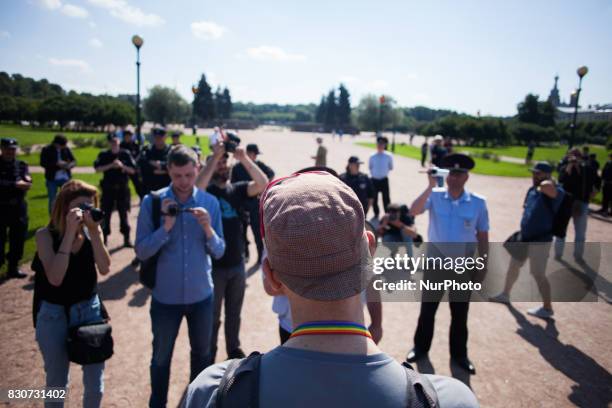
<point x="381" y="163"/>
<point x="456" y="215"/>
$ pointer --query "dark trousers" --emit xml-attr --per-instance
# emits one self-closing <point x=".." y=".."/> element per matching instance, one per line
<point x="138" y="185"/>
<point x="423" y="158"/>
<point x="14" y="225"/>
<point x="166" y="321"/>
<point x="458" y="335"/>
<point x="230" y="283"/>
<point x="382" y="186"/>
<point x="116" y="197"/>
<point x="606" y="202"/>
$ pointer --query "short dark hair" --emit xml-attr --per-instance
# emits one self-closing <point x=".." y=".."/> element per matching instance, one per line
<point x="181" y="155"/>
<point x="60" y="140"/>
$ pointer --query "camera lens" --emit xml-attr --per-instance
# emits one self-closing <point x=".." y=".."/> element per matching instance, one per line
<point x="173" y="210"/>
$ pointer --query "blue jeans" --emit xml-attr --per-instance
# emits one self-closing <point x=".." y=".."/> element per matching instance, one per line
<point x="52" y="187"/>
<point x="580" y="216"/>
<point x="166" y="321"/>
<point x="398" y="238"/>
<point x="51" y="335"/>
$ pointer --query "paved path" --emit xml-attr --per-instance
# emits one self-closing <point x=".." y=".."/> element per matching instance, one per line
<point x="521" y="361"/>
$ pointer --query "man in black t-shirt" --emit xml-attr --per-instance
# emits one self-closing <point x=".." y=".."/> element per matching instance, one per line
<point x="131" y="146"/>
<point x="117" y="165"/>
<point x="250" y="212"/>
<point x="229" y="276"/>
<point x="152" y="162"/>
<point x="359" y="182"/>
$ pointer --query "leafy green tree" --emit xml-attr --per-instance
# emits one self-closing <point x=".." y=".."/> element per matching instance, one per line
<point x="321" y="110"/>
<point x="528" y="110"/>
<point x="331" y="109"/>
<point x="371" y="113"/>
<point x="344" y="106"/>
<point x="164" y="105"/>
<point x="204" y="103"/>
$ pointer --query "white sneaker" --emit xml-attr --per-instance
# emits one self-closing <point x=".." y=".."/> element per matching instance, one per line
<point x="501" y="298"/>
<point x="541" y="312"/>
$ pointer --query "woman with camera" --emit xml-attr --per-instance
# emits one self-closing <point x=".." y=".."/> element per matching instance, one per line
<point x="68" y="251"/>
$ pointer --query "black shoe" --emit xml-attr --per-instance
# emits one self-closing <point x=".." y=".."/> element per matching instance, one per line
<point x="236" y="353"/>
<point x="17" y="274"/>
<point x="414" y="355"/>
<point x="466" y="364"/>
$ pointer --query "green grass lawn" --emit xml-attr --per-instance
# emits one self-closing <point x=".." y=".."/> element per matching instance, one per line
<point x="483" y="166"/>
<point x="28" y="136"/>
<point x="551" y="154"/>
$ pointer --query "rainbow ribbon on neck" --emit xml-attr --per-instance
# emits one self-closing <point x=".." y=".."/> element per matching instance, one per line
<point x="330" y="327"/>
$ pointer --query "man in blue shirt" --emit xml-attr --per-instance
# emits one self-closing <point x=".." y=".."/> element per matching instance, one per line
<point x="190" y="233"/>
<point x="542" y="202"/>
<point x="455" y="216"/>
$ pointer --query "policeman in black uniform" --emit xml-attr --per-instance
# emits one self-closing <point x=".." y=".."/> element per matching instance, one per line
<point x="152" y="162"/>
<point x="131" y="146"/>
<point x="359" y="182"/>
<point x="117" y="165"/>
<point x="250" y="212"/>
<point x="15" y="181"/>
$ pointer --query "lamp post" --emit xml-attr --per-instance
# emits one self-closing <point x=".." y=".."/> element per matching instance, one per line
<point x="138" y="41"/>
<point x="194" y="90"/>
<point x="582" y="71"/>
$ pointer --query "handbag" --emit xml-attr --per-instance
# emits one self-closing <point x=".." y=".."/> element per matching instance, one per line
<point x="515" y="246"/>
<point x="90" y="343"/>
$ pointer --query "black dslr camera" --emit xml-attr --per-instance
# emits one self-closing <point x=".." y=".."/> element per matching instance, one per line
<point x="173" y="210"/>
<point x="232" y="142"/>
<point x="96" y="213"/>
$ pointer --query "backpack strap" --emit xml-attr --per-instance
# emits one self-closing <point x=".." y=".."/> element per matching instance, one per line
<point x="420" y="390"/>
<point x="239" y="386"/>
<point x="156" y="209"/>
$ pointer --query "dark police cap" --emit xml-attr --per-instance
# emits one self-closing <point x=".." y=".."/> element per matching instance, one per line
<point x="542" y="166"/>
<point x="9" y="142"/>
<point x="458" y="162"/>
<point x="382" y="139"/>
<point x="354" y="159"/>
<point x="253" y="148"/>
<point x="176" y="134"/>
<point x="159" y="131"/>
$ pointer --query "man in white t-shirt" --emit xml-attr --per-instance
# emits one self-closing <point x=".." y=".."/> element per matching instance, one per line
<point x="380" y="164"/>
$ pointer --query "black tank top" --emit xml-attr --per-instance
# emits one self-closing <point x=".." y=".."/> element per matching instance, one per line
<point x="79" y="283"/>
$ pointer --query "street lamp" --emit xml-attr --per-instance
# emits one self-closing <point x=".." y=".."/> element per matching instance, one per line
<point x="195" y="91"/>
<point x="138" y="41"/>
<point x="582" y="71"/>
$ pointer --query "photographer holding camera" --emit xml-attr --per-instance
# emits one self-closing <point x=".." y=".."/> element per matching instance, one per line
<point x="397" y="225"/>
<point x="189" y="234"/>
<point x="228" y="272"/>
<point x="117" y="165"/>
<point x="69" y="250"/>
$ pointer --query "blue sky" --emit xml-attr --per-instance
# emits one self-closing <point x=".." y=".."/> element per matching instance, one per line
<point x="460" y="54"/>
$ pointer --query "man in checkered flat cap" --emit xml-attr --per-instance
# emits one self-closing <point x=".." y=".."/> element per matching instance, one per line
<point x="319" y="256"/>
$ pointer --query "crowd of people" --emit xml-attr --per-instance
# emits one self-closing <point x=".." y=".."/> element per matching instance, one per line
<point x="191" y="240"/>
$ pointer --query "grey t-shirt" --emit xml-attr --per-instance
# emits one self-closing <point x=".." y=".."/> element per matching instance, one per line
<point x="300" y="378"/>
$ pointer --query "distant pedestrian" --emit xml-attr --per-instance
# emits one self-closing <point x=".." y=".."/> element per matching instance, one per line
<point x="15" y="181"/>
<point x="321" y="157"/>
<point x="530" y="152"/>
<point x="424" y="150"/>
<point x="57" y="160"/>
<point x="380" y="164"/>
<point x="438" y="152"/>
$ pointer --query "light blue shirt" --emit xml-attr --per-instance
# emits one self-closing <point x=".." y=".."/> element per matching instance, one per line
<point x="380" y="165"/>
<point x="456" y="220"/>
<point x="184" y="265"/>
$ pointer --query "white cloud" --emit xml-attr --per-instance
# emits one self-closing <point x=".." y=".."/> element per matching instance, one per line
<point x="95" y="43"/>
<point x="51" y="4"/>
<point x="74" y="11"/>
<point x="122" y="10"/>
<point x="70" y="63"/>
<point x="207" y="30"/>
<point x="269" y="53"/>
<point x="5" y="34"/>
<point x="411" y="76"/>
